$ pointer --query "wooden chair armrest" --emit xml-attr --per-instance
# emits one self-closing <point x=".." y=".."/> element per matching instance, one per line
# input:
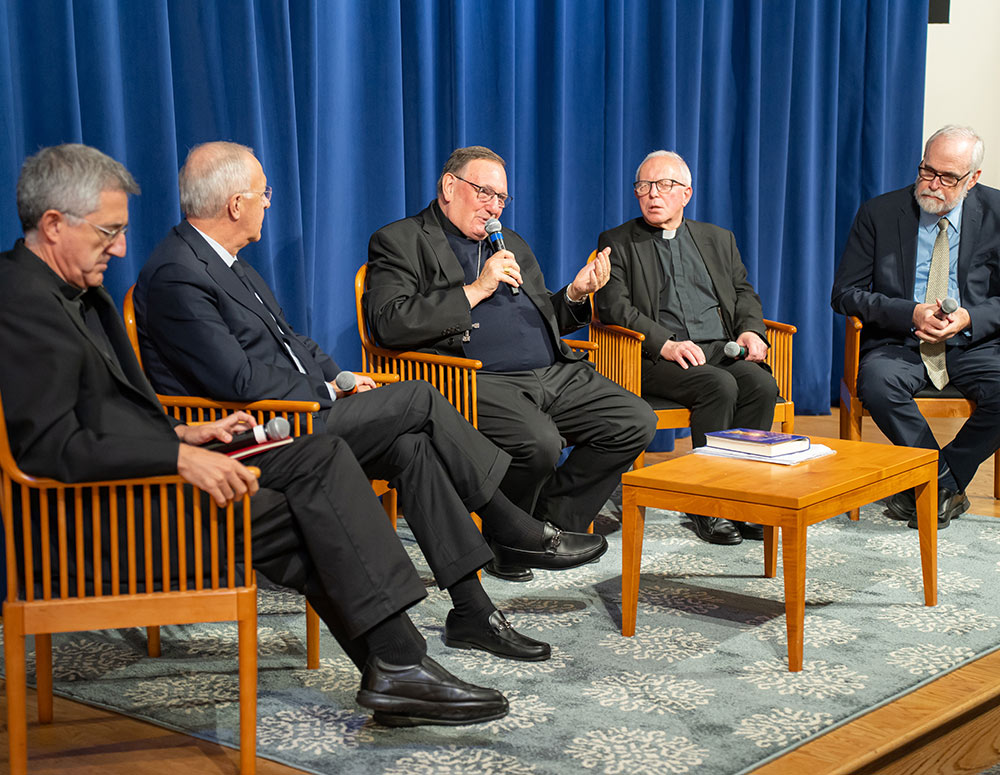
<point x="852" y="353"/>
<point x="429" y="358"/>
<point x="619" y="330"/>
<point x="197" y="402"/>
<point x="379" y="377"/>
<point x="774" y="325"/>
<point x="581" y="344"/>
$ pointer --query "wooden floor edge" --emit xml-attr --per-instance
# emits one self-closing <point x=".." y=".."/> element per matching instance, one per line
<point x="899" y="727"/>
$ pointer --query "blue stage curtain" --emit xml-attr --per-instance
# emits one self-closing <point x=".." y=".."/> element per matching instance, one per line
<point x="789" y="113"/>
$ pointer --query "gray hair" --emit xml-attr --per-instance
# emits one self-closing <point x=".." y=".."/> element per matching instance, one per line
<point x="957" y="132"/>
<point x="670" y="155"/>
<point x="211" y="174"/>
<point x="68" y="178"/>
<point x="462" y="156"/>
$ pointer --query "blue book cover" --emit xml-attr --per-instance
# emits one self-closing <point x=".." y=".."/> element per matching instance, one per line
<point x="752" y="436"/>
<point x="766" y="443"/>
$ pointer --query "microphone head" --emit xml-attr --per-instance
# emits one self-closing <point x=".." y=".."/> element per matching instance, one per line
<point x="277" y="428"/>
<point x="732" y="350"/>
<point x="492" y="226"/>
<point x="346" y="381"/>
<point x="949" y="305"/>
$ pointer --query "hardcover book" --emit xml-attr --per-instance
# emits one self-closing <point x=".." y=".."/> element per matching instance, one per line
<point x="765" y="443"/>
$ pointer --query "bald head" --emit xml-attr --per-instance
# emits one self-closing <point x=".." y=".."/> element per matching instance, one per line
<point x="211" y="174"/>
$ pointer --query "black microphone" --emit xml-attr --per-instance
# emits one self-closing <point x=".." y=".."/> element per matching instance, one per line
<point x="493" y="231"/>
<point x="346" y="382"/>
<point x="275" y="429"/>
<point x="735" y="351"/>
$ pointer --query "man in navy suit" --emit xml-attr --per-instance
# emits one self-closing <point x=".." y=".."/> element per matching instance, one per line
<point x="887" y="278"/>
<point x="210" y="326"/>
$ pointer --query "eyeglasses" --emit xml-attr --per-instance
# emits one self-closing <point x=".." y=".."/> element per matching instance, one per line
<point x="265" y="194"/>
<point x="485" y="194"/>
<point x="947" y="179"/>
<point x="642" y="187"/>
<point x="108" y="235"/>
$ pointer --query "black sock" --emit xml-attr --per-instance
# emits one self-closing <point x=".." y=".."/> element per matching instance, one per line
<point x="470" y="599"/>
<point x="395" y="640"/>
<point x="506" y="523"/>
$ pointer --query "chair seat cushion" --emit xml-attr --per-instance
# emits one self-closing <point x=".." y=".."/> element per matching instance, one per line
<point x="950" y="391"/>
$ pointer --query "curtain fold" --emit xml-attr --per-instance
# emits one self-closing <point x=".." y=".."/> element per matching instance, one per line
<point x="790" y="113"/>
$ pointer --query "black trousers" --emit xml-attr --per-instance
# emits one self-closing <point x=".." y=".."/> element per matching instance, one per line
<point x="318" y="528"/>
<point x="442" y="467"/>
<point x="722" y="393"/>
<point x="534" y="414"/>
<point x="890" y="376"/>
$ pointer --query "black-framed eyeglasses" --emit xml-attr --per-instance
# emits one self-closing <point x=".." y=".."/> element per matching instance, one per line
<point x="485" y="194"/>
<point x="642" y="187"/>
<point x="108" y="235"/>
<point x="947" y="179"/>
<point x="265" y="194"/>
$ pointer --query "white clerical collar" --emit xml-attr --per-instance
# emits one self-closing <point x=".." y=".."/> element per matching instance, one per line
<point x="668" y="233"/>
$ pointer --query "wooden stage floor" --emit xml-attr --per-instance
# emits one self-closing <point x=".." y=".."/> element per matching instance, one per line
<point x="949" y="727"/>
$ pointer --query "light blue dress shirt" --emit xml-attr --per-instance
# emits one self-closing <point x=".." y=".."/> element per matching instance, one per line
<point x="927" y="232"/>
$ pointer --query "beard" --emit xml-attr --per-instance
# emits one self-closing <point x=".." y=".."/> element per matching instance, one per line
<point x="937" y="202"/>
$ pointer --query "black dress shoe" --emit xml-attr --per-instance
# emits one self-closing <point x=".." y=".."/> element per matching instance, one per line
<point x="750" y="531"/>
<point x="511" y="573"/>
<point x="495" y="635"/>
<point x="951" y="505"/>
<point x="715" y="530"/>
<point x="425" y="693"/>
<point x="557" y="550"/>
<point x="902" y="505"/>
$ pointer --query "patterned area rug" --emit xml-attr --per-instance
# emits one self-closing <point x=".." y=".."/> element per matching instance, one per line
<point x="703" y="687"/>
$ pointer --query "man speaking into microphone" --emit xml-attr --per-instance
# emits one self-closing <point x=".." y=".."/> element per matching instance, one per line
<point x="437" y="283"/>
<point x="682" y="284"/>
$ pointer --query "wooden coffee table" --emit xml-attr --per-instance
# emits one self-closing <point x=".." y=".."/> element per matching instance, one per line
<point x="787" y="497"/>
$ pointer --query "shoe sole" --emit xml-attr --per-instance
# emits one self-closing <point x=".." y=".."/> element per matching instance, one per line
<point x="464" y="644"/>
<point x="398" y="720"/>
<point x="521" y="579"/>
<point x="416" y="712"/>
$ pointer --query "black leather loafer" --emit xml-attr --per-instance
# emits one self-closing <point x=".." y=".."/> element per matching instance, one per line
<point x="750" y="531"/>
<point x="557" y="551"/>
<point x="512" y="573"/>
<point x="495" y="636"/>
<point x="951" y="505"/>
<point x="715" y="530"/>
<point x="425" y="693"/>
<point x="902" y="505"/>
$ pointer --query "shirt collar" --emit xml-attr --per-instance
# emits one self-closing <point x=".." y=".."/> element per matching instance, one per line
<point x="929" y="221"/>
<point x="224" y="254"/>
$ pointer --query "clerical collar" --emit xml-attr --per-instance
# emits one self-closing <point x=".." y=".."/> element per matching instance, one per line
<point x="668" y="233"/>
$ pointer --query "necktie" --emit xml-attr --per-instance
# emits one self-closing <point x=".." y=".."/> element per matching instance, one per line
<point x="933" y="354"/>
<point x="245" y="279"/>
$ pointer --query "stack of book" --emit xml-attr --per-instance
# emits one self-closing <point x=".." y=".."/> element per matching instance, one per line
<point x="750" y="444"/>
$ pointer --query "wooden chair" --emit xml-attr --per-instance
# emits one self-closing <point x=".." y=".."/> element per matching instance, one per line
<point x="193" y="410"/>
<point x="619" y="358"/>
<point x="46" y="526"/>
<point x="931" y="402"/>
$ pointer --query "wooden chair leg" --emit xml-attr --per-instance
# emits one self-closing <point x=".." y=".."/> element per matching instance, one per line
<point x="16" y="688"/>
<point x="43" y="676"/>
<point x="389" y="504"/>
<point x="996" y="476"/>
<point x="153" y="641"/>
<point x="312" y="638"/>
<point x="247" y="627"/>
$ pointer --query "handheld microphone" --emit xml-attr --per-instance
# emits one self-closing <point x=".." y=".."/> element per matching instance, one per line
<point x="735" y="351"/>
<point x="275" y="429"/>
<point x="346" y="382"/>
<point x="493" y="231"/>
<point x="949" y="305"/>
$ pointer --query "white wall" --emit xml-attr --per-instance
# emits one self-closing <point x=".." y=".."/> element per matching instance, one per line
<point x="963" y="76"/>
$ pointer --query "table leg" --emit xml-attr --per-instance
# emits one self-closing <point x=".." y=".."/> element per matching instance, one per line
<point x="927" y="502"/>
<point x="793" y="556"/>
<point x="770" y="551"/>
<point x="633" y="524"/>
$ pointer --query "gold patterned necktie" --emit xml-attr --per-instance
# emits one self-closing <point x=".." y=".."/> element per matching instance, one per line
<point x="933" y="354"/>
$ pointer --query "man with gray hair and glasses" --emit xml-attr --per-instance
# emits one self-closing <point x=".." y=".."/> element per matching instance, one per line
<point x="921" y="269"/>
<point x="682" y="284"/>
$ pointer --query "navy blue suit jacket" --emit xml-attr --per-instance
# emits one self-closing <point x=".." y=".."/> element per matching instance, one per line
<point x="877" y="272"/>
<point x="208" y="335"/>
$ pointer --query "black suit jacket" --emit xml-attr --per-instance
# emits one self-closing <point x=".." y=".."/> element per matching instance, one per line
<point x="631" y="297"/>
<point x="877" y="272"/>
<point x="74" y="412"/>
<point x="207" y="334"/>
<point x="414" y="298"/>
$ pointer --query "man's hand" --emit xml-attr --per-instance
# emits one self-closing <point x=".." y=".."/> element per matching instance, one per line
<point x="931" y="324"/>
<point x="223" y="478"/>
<point x="592" y="277"/>
<point x="683" y="353"/>
<point x="499" y="268"/>
<point x="363" y="384"/>
<point x="756" y="349"/>
<point x="221" y="430"/>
